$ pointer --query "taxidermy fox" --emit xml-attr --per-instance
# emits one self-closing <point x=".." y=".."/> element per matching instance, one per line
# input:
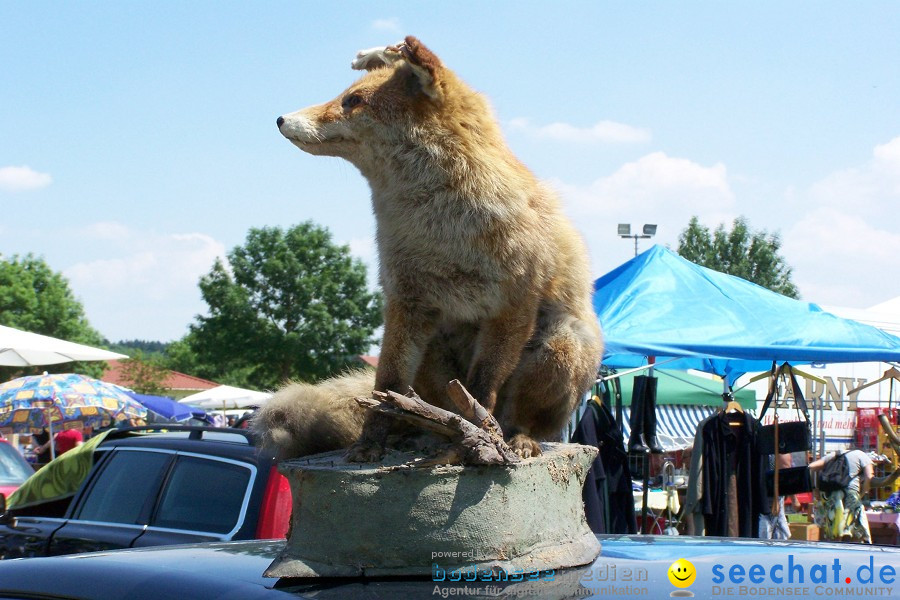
<point x="484" y="279"/>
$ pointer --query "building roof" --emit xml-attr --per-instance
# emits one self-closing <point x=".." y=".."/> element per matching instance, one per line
<point x="173" y="381"/>
<point x="372" y="361"/>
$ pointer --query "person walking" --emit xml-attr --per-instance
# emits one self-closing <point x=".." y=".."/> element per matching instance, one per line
<point x="841" y="513"/>
<point x="40" y="443"/>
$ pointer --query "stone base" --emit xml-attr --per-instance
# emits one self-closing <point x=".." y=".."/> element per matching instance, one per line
<point x="397" y="518"/>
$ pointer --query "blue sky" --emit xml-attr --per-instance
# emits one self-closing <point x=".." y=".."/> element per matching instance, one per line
<point x="138" y="139"/>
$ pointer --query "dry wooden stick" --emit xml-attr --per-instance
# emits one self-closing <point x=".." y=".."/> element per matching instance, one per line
<point x="470" y="442"/>
<point x="469" y="407"/>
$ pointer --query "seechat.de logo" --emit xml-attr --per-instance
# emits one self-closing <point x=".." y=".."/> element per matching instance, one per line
<point x="682" y="574"/>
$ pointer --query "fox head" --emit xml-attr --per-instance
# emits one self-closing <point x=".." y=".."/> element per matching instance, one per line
<point x="407" y="103"/>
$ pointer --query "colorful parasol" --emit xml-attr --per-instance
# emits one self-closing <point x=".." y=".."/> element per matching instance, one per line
<point x="62" y="401"/>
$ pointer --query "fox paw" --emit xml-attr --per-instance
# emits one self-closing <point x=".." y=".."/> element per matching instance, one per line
<point x="524" y="446"/>
<point x="365" y="452"/>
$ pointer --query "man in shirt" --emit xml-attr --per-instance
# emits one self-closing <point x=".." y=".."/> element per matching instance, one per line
<point x="68" y="439"/>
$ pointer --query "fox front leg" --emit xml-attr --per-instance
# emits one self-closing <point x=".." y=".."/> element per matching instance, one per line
<point x="406" y="335"/>
<point x="498" y="350"/>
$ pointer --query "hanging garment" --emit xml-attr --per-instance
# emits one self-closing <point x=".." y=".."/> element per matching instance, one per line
<point x="734" y="493"/>
<point x="636" y="443"/>
<point x="693" y="507"/>
<point x="594" y="493"/>
<point x="608" y="499"/>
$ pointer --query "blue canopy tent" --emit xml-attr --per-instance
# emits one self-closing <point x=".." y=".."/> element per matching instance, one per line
<point x="167" y="408"/>
<point x="661" y="305"/>
<point x="685" y="316"/>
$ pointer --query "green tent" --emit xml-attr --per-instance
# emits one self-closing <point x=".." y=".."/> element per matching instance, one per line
<point x="681" y="387"/>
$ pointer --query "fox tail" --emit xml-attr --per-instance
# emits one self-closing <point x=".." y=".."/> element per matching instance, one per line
<point x="303" y="418"/>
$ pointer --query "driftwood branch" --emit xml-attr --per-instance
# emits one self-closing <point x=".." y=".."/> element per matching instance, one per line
<point x="469" y="407"/>
<point x="476" y="439"/>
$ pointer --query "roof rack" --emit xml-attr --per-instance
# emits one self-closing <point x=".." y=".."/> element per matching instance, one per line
<point x="195" y="432"/>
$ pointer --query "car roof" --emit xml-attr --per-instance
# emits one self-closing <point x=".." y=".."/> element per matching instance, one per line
<point x="183" y="572"/>
<point x="236" y="444"/>
<point x="234" y="570"/>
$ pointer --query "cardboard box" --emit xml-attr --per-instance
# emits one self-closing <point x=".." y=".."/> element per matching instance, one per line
<point x="804" y="531"/>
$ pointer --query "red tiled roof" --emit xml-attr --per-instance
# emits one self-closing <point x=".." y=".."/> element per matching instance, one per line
<point x="174" y="380"/>
<point x="372" y="361"/>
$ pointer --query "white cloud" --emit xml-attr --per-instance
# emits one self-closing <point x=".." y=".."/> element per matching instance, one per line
<point x="657" y="184"/>
<point x="656" y="188"/>
<point x="871" y="189"/>
<point x="20" y="179"/>
<point x="390" y="25"/>
<point x="145" y="286"/>
<point x="365" y="250"/>
<point x="844" y="247"/>
<point x="108" y="230"/>
<point x="842" y="259"/>
<point x="602" y="131"/>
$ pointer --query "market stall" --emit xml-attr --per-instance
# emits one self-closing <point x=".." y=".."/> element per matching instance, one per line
<point x="660" y="310"/>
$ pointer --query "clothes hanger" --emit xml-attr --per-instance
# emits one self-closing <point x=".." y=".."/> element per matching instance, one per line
<point x="732" y="407"/>
<point x="792" y="369"/>
<point x="892" y="373"/>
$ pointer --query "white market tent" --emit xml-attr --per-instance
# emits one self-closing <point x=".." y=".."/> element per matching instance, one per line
<point x="25" y="349"/>
<point x="884" y="316"/>
<point x="226" y="397"/>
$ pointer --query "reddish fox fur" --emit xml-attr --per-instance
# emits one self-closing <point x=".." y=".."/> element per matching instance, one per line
<point x="484" y="278"/>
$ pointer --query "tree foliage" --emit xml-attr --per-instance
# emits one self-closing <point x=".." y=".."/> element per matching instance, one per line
<point x="147" y="348"/>
<point x="750" y="255"/>
<point x="35" y="298"/>
<point x="144" y="374"/>
<point x="292" y="305"/>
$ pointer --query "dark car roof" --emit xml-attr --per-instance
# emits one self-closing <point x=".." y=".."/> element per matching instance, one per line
<point x="227" y="443"/>
<point x="627" y="567"/>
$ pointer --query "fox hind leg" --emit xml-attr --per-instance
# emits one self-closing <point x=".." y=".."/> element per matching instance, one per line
<point x="557" y="367"/>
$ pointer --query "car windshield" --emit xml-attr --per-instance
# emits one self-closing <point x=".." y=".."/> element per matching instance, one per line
<point x="13" y="468"/>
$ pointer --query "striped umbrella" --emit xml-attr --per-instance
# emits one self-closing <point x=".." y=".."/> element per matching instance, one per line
<point x="62" y="401"/>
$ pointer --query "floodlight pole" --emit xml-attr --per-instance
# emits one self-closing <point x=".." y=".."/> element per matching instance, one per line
<point x="625" y="232"/>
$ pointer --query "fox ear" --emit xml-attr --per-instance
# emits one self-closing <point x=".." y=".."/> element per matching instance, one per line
<point x="424" y="64"/>
<point x="376" y="58"/>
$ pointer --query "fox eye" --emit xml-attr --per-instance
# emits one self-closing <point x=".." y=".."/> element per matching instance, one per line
<point x="351" y="101"/>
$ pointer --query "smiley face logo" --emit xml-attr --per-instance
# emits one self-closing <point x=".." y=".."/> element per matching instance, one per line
<point x="682" y="573"/>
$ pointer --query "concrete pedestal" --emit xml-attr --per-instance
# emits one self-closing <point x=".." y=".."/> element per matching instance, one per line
<point x="396" y="518"/>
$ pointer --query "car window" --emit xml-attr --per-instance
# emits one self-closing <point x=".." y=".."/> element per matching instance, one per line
<point x="203" y="495"/>
<point x="13" y="468"/>
<point x="125" y="486"/>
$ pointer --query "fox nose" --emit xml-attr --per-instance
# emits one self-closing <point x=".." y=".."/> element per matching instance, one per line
<point x="280" y="122"/>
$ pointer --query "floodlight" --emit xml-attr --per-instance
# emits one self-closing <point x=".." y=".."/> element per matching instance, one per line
<point x="624" y="228"/>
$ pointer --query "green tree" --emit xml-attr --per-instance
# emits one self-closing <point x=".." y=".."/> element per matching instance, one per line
<point x="35" y="298"/>
<point x="144" y="374"/>
<point x="750" y="255"/>
<point x="292" y="305"/>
